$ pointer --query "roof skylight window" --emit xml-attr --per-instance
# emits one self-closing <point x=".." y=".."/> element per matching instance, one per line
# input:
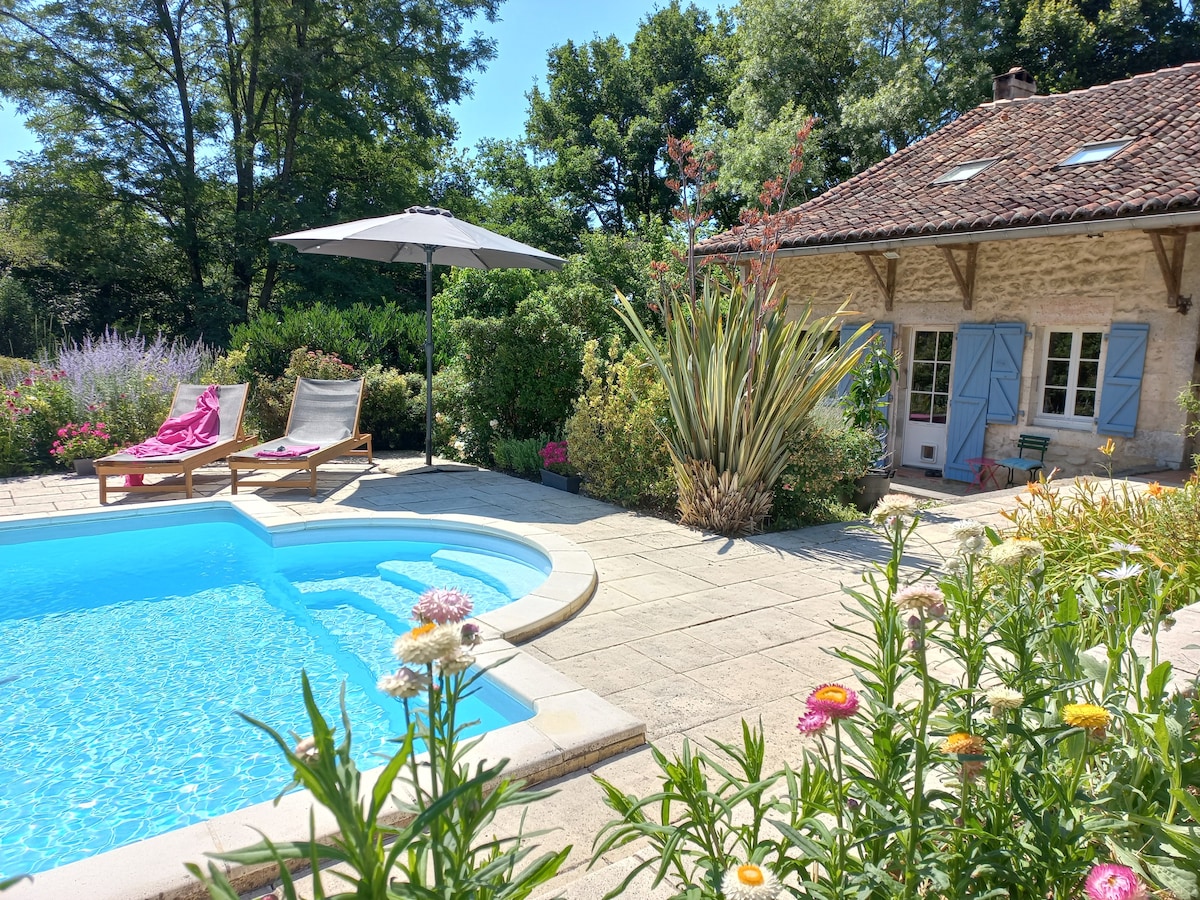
<point x="965" y="171"/>
<point x="1093" y="153"/>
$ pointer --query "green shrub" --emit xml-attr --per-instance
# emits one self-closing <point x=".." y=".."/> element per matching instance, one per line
<point x="523" y="374"/>
<point x="13" y="369"/>
<point x="519" y="455"/>
<point x="450" y="437"/>
<point x="393" y="409"/>
<point x="47" y="404"/>
<point x="360" y="335"/>
<point x="612" y="433"/>
<point x="825" y="457"/>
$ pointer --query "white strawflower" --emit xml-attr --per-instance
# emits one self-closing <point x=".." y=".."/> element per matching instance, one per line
<point x="953" y="565"/>
<point x="404" y="683"/>
<point x="1123" y="547"/>
<point x="893" y="506"/>
<point x="427" y="643"/>
<point x="750" y="882"/>
<point x="459" y="662"/>
<point x="965" y="529"/>
<point x="919" y="597"/>
<point x="1004" y="698"/>
<point x="1014" y="551"/>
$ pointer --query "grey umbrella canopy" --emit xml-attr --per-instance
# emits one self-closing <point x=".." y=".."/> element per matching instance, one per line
<point x="423" y="234"/>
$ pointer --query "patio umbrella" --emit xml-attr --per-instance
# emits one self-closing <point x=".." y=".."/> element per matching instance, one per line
<point x="429" y="235"/>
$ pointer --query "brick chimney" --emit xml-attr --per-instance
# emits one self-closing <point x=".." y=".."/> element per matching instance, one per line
<point x="1015" y="84"/>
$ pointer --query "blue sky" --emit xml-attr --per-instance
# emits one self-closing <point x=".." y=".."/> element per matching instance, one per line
<point x="526" y="31"/>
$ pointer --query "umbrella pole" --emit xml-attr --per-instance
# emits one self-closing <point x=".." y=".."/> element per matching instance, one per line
<point x="429" y="356"/>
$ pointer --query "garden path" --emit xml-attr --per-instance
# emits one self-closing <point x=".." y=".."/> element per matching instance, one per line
<point x="689" y="631"/>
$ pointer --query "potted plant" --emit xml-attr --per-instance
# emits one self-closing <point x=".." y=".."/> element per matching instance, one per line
<point x="557" y="471"/>
<point x="865" y="408"/>
<point x="80" y="445"/>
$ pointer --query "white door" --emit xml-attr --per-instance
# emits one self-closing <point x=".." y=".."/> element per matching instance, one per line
<point x="928" y="399"/>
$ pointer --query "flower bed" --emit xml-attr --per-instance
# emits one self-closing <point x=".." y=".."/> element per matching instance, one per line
<point x="982" y="753"/>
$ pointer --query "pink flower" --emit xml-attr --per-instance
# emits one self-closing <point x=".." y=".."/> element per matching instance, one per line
<point x="1112" y="882"/>
<point x="813" y="723"/>
<point x="442" y="605"/>
<point x="834" y="701"/>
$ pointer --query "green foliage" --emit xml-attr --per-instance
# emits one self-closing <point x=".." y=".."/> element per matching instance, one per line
<point x="23" y="329"/>
<point x="607" y="110"/>
<point x="238" y="144"/>
<point x="981" y="756"/>
<point x="817" y="485"/>
<point x="42" y="403"/>
<point x="522" y="371"/>
<point x="448" y="842"/>
<point x="614" y="432"/>
<point x="740" y="377"/>
<point x="13" y="370"/>
<point x="1189" y="402"/>
<point x="1084" y="525"/>
<point x="361" y="335"/>
<point x="393" y="409"/>
<point x="519" y="455"/>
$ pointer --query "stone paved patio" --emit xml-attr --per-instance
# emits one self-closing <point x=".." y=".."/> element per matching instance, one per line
<point x="688" y="631"/>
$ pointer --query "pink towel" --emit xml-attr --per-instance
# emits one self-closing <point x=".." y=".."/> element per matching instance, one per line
<point x="287" y="452"/>
<point x="191" y="431"/>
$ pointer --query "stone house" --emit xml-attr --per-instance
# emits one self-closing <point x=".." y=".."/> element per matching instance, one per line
<point x="1029" y="263"/>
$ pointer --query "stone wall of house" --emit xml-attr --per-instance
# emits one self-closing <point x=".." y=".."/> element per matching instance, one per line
<point x="1071" y="281"/>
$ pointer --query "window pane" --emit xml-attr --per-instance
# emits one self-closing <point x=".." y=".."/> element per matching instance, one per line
<point x="941" y="379"/>
<point x="939" y="408"/>
<point x="1089" y="348"/>
<point x="925" y="345"/>
<point x="1054" y="401"/>
<point x="1085" y="403"/>
<point x="922" y="376"/>
<point x="918" y="407"/>
<point x="1057" y="373"/>
<point x="945" y="348"/>
<point x="1059" y="346"/>
<point x="1088" y="372"/>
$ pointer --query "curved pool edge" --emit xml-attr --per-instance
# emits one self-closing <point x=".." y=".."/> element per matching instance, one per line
<point x="572" y="728"/>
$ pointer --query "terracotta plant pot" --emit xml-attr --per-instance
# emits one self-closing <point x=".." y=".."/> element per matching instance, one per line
<point x="569" y="483"/>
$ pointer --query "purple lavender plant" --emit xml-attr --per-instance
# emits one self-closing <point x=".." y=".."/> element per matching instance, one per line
<point x="131" y="380"/>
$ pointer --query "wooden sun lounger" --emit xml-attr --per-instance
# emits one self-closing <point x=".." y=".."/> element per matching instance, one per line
<point x="323" y="413"/>
<point x="232" y="399"/>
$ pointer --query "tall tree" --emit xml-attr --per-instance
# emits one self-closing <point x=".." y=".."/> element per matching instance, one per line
<point x="227" y="120"/>
<point x="607" y="110"/>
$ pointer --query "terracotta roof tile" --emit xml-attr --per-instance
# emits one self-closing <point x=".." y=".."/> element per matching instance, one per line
<point x="1158" y="172"/>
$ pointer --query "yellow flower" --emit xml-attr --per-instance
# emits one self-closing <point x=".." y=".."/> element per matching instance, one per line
<point x="1109" y="448"/>
<point x="1086" y="715"/>
<point x="963" y="743"/>
<point x="1154" y="489"/>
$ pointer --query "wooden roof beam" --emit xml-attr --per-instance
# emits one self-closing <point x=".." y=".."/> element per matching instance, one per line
<point x="886" y="284"/>
<point x="1171" y="265"/>
<point x="964" y="279"/>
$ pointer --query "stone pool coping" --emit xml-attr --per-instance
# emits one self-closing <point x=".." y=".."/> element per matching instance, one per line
<point x="572" y="728"/>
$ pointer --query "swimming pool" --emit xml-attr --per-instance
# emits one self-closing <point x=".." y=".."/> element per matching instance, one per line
<point x="128" y="644"/>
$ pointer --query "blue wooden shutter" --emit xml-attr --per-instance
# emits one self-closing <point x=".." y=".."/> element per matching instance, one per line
<point x="1004" y="392"/>
<point x="1122" y="388"/>
<point x="969" y="399"/>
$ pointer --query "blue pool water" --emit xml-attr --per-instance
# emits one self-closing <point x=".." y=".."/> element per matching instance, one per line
<point x="127" y="646"/>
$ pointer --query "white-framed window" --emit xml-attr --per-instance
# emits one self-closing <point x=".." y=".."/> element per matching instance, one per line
<point x="1072" y="361"/>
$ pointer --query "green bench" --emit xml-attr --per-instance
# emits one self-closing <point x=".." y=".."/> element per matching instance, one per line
<point x="1035" y="443"/>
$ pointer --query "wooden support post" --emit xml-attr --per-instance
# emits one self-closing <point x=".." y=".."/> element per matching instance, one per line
<point x="965" y="280"/>
<point x="1171" y="266"/>
<point x="886" y="284"/>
